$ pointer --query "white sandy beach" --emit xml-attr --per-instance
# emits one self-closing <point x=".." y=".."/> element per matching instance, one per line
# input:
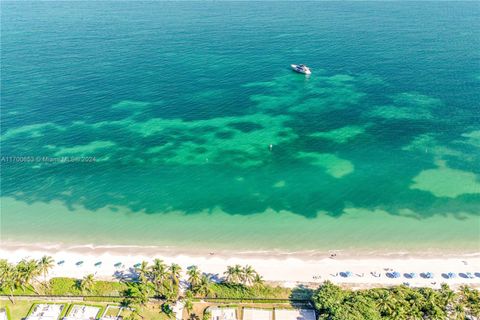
<point x="283" y="270"/>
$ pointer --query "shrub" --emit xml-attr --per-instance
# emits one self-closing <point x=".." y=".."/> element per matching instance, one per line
<point x="70" y="287"/>
<point x="399" y="302"/>
<point x="64" y="287"/>
<point x="239" y="291"/>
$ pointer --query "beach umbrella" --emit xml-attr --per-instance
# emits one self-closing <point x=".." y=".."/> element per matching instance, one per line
<point x="348" y="274"/>
<point x="61" y="262"/>
<point x="136" y="265"/>
<point x="451" y="275"/>
<point x="79" y="263"/>
<point x="469" y="275"/>
<point x="117" y="265"/>
<point x="396" y="274"/>
<point x="429" y="275"/>
<point x="98" y="264"/>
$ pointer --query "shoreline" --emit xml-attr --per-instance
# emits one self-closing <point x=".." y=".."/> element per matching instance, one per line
<point x="288" y="270"/>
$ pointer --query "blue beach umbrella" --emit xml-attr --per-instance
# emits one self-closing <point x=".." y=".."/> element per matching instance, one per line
<point x="348" y="274"/>
<point x="79" y="263"/>
<point x="60" y="262"/>
<point x="451" y="275"/>
<point x="396" y="274"/>
<point x="98" y="264"/>
<point x="136" y="265"/>
<point x="469" y="275"/>
<point x="117" y="265"/>
<point x="429" y="275"/>
<point x="412" y="275"/>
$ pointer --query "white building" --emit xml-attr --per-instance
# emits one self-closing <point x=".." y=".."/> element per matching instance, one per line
<point x="257" y="314"/>
<point x="295" y="314"/>
<point x="223" y="313"/>
<point x="79" y="312"/>
<point x="46" y="312"/>
<point x="3" y="314"/>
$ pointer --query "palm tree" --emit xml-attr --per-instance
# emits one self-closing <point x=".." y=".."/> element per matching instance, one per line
<point x="4" y="266"/>
<point x="233" y="274"/>
<point x="158" y="268"/>
<point x="258" y="280"/>
<point x="10" y="285"/>
<point x="229" y="274"/>
<point x="44" y="265"/>
<point x="194" y="276"/>
<point x="159" y="274"/>
<point x="27" y="270"/>
<point x="248" y="275"/>
<point x="175" y="271"/>
<point x="8" y="278"/>
<point x="87" y="283"/>
<point x="204" y="286"/>
<point x="143" y="272"/>
<point x="137" y="295"/>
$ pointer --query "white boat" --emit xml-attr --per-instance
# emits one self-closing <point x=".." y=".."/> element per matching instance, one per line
<point x="301" y="68"/>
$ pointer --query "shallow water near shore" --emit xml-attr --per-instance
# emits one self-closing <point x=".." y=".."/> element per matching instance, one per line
<point x="380" y="234"/>
<point x="180" y="125"/>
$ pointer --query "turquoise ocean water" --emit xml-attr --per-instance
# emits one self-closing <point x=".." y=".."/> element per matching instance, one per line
<point x="202" y="136"/>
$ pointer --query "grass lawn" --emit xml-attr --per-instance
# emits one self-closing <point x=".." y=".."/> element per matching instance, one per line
<point x="152" y="312"/>
<point x="112" y="311"/>
<point x="18" y="310"/>
<point x="27" y="290"/>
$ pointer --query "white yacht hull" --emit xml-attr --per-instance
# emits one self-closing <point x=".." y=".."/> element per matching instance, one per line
<point x="299" y="70"/>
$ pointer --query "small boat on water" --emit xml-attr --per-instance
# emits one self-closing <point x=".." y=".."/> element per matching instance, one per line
<point x="301" y="68"/>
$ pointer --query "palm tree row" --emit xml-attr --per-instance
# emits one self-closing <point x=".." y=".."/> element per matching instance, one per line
<point x="200" y="283"/>
<point x="164" y="279"/>
<point x="160" y="280"/>
<point x="24" y="274"/>
<point x="242" y="275"/>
